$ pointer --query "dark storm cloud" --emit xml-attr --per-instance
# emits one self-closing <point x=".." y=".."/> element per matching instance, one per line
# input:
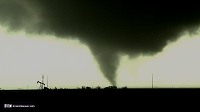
<point x="110" y="27"/>
<point x="12" y="13"/>
<point x="20" y="14"/>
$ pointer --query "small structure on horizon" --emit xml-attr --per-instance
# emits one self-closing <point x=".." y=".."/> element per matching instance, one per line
<point x="42" y="84"/>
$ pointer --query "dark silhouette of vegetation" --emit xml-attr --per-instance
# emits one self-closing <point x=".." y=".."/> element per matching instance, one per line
<point x="98" y="87"/>
<point x="124" y="87"/>
<point x="46" y="88"/>
<point x="88" y="88"/>
<point x="43" y="87"/>
<point x="111" y="87"/>
<point x="83" y="87"/>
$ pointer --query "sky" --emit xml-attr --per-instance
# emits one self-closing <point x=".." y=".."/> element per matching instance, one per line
<point x="89" y="43"/>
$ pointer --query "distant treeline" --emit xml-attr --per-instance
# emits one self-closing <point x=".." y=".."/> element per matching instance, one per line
<point x="98" y="87"/>
<point x="83" y="87"/>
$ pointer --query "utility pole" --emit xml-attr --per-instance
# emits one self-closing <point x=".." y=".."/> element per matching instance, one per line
<point x="42" y="82"/>
<point x="47" y="81"/>
<point x="152" y="81"/>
